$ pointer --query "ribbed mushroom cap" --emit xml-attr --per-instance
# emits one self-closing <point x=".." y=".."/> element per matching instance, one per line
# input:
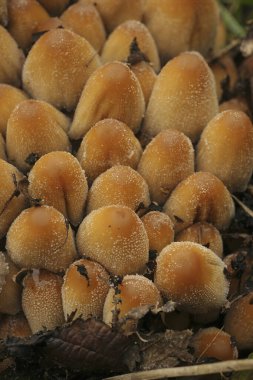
<point x="55" y="7"/>
<point x="86" y="284"/>
<point x="14" y="325"/>
<point x="146" y="75"/>
<point x="40" y="238"/>
<point x="119" y="185"/>
<point x="35" y="128"/>
<point x="10" y="205"/>
<point x="118" y="43"/>
<point x="201" y="197"/>
<point x="112" y="91"/>
<point x="226" y="149"/>
<point x="97" y="153"/>
<point x="116" y="238"/>
<point x="57" y="67"/>
<point x="59" y="181"/>
<point x="41" y="300"/>
<point x="183" y="97"/>
<point x="2" y="148"/>
<point x="188" y="274"/>
<point x="166" y="161"/>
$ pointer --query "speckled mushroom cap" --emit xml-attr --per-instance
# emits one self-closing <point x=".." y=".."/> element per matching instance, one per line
<point x="119" y="185"/>
<point x="35" y="128"/>
<point x="57" y="67"/>
<point x="86" y="284"/>
<point x="226" y="149"/>
<point x="41" y="300"/>
<point x="116" y="238"/>
<point x="201" y="197"/>
<point x="112" y="91"/>
<point x="188" y="273"/>
<point x="40" y="238"/>
<point x="97" y="153"/>
<point x="183" y="97"/>
<point x="146" y="75"/>
<point x="59" y="181"/>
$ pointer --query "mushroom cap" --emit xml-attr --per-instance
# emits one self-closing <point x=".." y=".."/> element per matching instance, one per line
<point x="112" y="91"/>
<point x="86" y="284"/>
<point x="59" y="181"/>
<point x="14" y="325"/>
<point x="159" y="228"/>
<point x="226" y="149"/>
<point x="35" y="127"/>
<point x="183" y="97"/>
<point x="57" y="67"/>
<point x="116" y="238"/>
<point x="55" y="7"/>
<point x="40" y="238"/>
<point x="201" y="197"/>
<point x="119" y="185"/>
<point x="188" y="273"/>
<point x="97" y="153"/>
<point x="146" y="75"/>
<point x="165" y="162"/>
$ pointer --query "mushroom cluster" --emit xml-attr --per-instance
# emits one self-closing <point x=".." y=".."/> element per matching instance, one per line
<point x="113" y="154"/>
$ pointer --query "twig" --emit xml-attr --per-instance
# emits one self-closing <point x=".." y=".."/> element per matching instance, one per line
<point x="243" y="206"/>
<point x="195" y="370"/>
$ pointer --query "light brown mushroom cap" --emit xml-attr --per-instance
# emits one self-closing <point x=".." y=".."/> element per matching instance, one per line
<point x="35" y="128"/>
<point x="226" y="149"/>
<point x="201" y="197"/>
<point x="159" y="228"/>
<point x="41" y="300"/>
<point x="205" y="234"/>
<point x="85" y="21"/>
<point x="183" y="97"/>
<point x="10" y="206"/>
<point x="59" y="181"/>
<point x="2" y="148"/>
<point x="115" y="237"/>
<point x="146" y="75"/>
<point x="181" y="26"/>
<point x="97" y="153"/>
<point x="9" y="97"/>
<point x="237" y="104"/>
<point x="12" y="59"/>
<point x="134" y="291"/>
<point x="119" y="185"/>
<point x="40" y="238"/>
<point x="57" y="67"/>
<point x="118" y="43"/>
<point x="112" y="91"/>
<point x="14" y="325"/>
<point x="188" y="274"/>
<point x="55" y="7"/>
<point x="166" y="161"/>
<point x="86" y="284"/>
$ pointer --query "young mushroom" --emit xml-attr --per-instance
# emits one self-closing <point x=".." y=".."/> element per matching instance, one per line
<point x="55" y="7"/>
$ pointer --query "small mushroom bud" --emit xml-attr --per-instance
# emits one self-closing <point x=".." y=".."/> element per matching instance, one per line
<point x="12" y="59"/>
<point x="9" y="97"/>
<point x="146" y="75"/>
<point x="86" y="284"/>
<point x="12" y="202"/>
<point x="236" y="104"/>
<point x="40" y="127"/>
<point x="201" y="197"/>
<point x="40" y="237"/>
<point x="118" y="43"/>
<point x="2" y="148"/>
<point x="55" y="7"/>
<point x="10" y="296"/>
<point x="57" y="67"/>
<point x="14" y="325"/>
<point x="3" y="13"/>
<point x="213" y="343"/>
<point x="185" y="25"/>
<point x="166" y="161"/>
<point x="112" y="91"/>
<point x="85" y="21"/>
<point x="205" y="234"/>
<point x="97" y="153"/>
<point x="24" y="17"/>
<point x="116" y="238"/>
<point x="119" y="185"/>
<point x="183" y="97"/>
<point x="159" y="228"/>
<point x="239" y="322"/>
<point x="225" y="74"/>
<point x="226" y="149"/>
<point x="58" y="180"/>
<point x="134" y="291"/>
<point x="188" y="274"/>
<point x="41" y="300"/>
